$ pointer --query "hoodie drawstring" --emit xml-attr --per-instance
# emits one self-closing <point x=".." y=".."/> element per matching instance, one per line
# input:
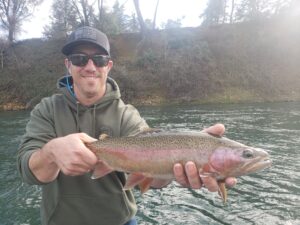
<point x="77" y="117"/>
<point x="94" y="121"/>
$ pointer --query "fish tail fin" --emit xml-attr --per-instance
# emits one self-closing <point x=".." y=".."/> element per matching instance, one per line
<point x="222" y="191"/>
<point x="101" y="170"/>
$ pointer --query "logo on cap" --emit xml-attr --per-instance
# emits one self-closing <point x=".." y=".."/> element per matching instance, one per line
<point x="86" y="33"/>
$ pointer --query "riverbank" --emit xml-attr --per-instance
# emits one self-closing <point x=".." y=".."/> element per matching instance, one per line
<point x="162" y="102"/>
<point x="246" y="62"/>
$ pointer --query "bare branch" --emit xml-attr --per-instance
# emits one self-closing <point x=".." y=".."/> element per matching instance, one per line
<point x="14" y="12"/>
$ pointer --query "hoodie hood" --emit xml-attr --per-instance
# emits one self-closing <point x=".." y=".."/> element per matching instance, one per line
<point x="65" y="86"/>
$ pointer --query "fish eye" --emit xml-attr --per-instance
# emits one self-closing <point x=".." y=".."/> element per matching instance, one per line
<point x="247" y="154"/>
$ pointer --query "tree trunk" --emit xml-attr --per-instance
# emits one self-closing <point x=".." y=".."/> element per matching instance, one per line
<point x="140" y="17"/>
<point x="232" y="11"/>
<point x="224" y="11"/>
<point x="100" y="7"/>
<point x="155" y="13"/>
<point x="84" y="7"/>
<point x="11" y="34"/>
<point x="2" y="59"/>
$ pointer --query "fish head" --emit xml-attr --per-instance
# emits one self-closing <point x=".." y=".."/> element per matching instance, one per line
<point x="238" y="161"/>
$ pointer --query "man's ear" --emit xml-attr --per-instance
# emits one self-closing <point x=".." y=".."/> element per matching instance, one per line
<point x="68" y="65"/>
<point x="110" y="65"/>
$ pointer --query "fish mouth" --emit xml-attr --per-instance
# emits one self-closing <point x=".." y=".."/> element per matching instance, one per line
<point x="259" y="164"/>
<point x="263" y="163"/>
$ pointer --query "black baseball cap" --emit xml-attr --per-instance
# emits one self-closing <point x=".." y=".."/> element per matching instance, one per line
<point x="86" y="35"/>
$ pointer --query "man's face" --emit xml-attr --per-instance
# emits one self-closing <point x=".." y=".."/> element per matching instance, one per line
<point x="89" y="80"/>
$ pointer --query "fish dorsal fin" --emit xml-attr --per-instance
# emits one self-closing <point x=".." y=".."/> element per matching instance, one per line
<point x="103" y="136"/>
<point x="149" y="131"/>
<point x="211" y="134"/>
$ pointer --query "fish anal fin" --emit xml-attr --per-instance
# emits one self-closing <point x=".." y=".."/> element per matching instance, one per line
<point x="133" y="180"/>
<point x="222" y="191"/>
<point x="145" y="184"/>
<point x="101" y="169"/>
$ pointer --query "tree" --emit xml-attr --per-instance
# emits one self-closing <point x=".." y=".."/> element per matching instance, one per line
<point x="63" y="19"/>
<point x="286" y="6"/>
<point x="13" y="13"/>
<point x="214" y="12"/>
<point x="133" y="24"/>
<point x="119" y="18"/>
<point x="116" y="21"/>
<point x="250" y="10"/>
<point x="67" y="15"/>
<point x="171" y="24"/>
<point x="85" y="11"/>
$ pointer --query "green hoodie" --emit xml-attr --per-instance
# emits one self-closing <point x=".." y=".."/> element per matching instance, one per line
<point x="80" y="199"/>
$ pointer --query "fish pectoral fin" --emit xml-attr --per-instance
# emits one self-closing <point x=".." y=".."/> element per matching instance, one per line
<point x="222" y="191"/>
<point x="101" y="169"/>
<point x="133" y="179"/>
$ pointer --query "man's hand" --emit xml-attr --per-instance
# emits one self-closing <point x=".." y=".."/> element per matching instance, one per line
<point x="71" y="155"/>
<point x="187" y="175"/>
<point x="67" y="154"/>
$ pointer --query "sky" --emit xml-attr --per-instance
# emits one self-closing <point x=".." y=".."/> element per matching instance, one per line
<point x="168" y="9"/>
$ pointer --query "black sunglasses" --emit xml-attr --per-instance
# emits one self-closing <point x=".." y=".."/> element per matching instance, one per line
<point x="83" y="59"/>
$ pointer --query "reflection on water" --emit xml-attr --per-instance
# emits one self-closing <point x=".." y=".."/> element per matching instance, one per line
<point x="269" y="197"/>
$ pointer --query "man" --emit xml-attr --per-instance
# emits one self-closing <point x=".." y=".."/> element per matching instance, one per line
<point x="52" y="152"/>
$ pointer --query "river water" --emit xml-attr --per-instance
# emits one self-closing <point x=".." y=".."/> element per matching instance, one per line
<point x="267" y="198"/>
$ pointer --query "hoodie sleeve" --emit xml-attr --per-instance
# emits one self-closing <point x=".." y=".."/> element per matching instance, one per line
<point x="39" y="131"/>
<point x="132" y="123"/>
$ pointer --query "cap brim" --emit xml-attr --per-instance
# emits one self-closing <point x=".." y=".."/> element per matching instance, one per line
<point x="67" y="49"/>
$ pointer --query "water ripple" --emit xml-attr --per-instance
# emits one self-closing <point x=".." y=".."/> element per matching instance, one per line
<point x="270" y="197"/>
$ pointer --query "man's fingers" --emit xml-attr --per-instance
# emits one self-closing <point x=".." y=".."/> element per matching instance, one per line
<point x="192" y="175"/>
<point x="89" y="157"/>
<point x="230" y="181"/>
<point x="74" y="170"/>
<point x="180" y="175"/>
<point x="86" y="138"/>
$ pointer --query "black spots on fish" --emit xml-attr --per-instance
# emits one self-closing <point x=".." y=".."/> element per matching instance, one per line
<point x="248" y="154"/>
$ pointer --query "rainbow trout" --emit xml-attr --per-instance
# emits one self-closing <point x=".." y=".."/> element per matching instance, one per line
<point x="153" y="155"/>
